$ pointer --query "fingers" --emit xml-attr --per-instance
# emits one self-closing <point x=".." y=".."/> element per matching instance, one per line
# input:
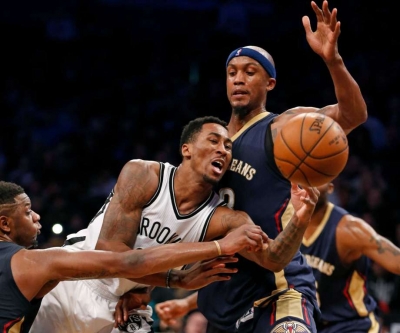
<point x="306" y="24"/>
<point x="313" y="193"/>
<point x="317" y="11"/>
<point x="218" y="261"/>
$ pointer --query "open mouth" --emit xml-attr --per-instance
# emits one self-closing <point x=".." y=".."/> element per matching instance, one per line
<point x="218" y="165"/>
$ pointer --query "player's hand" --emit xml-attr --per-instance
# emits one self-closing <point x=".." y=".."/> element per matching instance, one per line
<point x="136" y="299"/>
<point x="248" y="236"/>
<point x="304" y="201"/>
<point x="170" y="311"/>
<point x="323" y="40"/>
<point x="205" y="272"/>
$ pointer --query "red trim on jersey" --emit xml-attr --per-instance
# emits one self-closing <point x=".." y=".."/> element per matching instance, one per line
<point x="10" y="324"/>
<point x="305" y="311"/>
<point x="278" y="216"/>
<point x="272" y="318"/>
<point x="346" y="293"/>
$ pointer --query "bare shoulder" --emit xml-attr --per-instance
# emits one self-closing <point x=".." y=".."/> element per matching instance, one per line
<point x="31" y="270"/>
<point x="139" y="177"/>
<point x="143" y="167"/>
<point x="354" y="232"/>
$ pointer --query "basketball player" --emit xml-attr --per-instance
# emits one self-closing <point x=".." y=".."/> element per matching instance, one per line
<point x="155" y="203"/>
<point x="257" y="299"/>
<point x="339" y="248"/>
<point x="27" y="275"/>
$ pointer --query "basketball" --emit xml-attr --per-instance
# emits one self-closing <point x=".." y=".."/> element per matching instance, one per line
<point x="311" y="149"/>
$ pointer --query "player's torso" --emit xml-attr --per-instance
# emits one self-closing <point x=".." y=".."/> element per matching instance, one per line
<point x="161" y="223"/>
<point x="14" y="307"/>
<point x="253" y="184"/>
<point x="341" y="289"/>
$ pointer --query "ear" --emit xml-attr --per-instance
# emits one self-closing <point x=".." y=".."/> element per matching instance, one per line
<point x="331" y="188"/>
<point x="271" y="84"/>
<point x="4" y="224"/>
<point x="186" y="150"/>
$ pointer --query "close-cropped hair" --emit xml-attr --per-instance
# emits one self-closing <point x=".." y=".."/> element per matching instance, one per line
<point x="194" y="127"/>
<point x="8" y="191"/>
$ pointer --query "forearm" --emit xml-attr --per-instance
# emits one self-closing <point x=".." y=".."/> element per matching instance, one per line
<point x="161" y="258"/>
<point x="191" y="301"/>
<point x="283" y="248"/>
<point x="352" y="109"/>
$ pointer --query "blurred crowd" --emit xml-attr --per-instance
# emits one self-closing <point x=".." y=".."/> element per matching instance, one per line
<point x="88" y="85"/>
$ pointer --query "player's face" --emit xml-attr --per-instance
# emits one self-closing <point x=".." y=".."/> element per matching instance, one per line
<point x="25" y="222"/>
<point x="211" y="152"/>
<point x="247" y="84"/>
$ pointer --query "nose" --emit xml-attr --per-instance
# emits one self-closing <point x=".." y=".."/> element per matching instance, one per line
<point x="36" y="219"/>
<point x="239" y="78"/>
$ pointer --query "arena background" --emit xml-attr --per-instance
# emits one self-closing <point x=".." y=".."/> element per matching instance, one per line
<point x="88" y="85"/>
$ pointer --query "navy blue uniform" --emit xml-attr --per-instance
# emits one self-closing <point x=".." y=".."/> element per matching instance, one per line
<point x="16" y="312"/>
<point x="254" y="184"/>
<point x="341" y="290"/>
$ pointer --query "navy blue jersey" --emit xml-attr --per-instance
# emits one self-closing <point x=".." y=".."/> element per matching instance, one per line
<point x="15" y="309"/>
<point x="255" y="185"/>
<point x="341" y="290"/>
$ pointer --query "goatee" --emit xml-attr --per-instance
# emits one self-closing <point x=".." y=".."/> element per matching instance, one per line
<point x="241" y="111"/>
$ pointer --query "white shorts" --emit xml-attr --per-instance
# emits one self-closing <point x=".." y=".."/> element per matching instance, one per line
<point x="73" y="306"/>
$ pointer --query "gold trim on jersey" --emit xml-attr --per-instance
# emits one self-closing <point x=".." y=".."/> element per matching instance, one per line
<point x="374" y="323"/>
<point x="287" y="304"/>
<point x="249" y="123"/>
<point x="357" y="294"/>
<point x="287" y="214"/>
<point x="317" y="232"/>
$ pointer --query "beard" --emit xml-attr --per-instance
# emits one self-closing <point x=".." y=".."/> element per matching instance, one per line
<point x="241" y="111"/>
<point x="34" y="245"/>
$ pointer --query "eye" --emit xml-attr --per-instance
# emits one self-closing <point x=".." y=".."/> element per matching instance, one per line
<point x="231" y="73"/>
<point x="250" y="73"/>
<point x="214" y="141"/>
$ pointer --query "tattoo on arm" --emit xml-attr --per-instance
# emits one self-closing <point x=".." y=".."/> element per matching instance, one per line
<point x="382" y="247"/>
<point x="286" y="244"/>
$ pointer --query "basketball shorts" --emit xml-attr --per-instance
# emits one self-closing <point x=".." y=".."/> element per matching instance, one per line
<point x="369" y="324"/>
<point x="286" y="311"/>
<point x="73" y="306"/>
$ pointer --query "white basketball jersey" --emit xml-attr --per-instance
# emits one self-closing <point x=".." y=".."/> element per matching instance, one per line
<point x="161" y="223"/>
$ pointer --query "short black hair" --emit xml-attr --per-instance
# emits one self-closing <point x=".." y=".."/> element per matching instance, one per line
<point x="8" y="191"/>
<point x="191" y="129"/>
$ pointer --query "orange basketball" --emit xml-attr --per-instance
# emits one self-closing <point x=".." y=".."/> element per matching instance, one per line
<point x="311" y="149"/>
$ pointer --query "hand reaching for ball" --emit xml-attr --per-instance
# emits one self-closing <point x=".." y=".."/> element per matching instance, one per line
<point x="304" y="200"/>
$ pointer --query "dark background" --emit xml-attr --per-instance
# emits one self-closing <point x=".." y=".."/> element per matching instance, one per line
<point x="88" y="85"/>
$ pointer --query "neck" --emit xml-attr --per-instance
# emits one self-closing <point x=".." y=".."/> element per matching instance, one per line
<point x="239" y="119"/>
<point x="5" y="238"/>
<point x="190" y="191"/>
<point x="318" y="214"/>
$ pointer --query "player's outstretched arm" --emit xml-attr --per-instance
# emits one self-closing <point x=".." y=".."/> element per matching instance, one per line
<point x="351" y="109"/>
<point x="169" y="311"/>
<point x="33" y="269"/>
<point x="355" y="237"/>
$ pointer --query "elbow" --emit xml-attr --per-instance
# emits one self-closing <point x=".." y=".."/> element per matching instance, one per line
<point x="363" y="116"/>
<point x="276" y="267"/>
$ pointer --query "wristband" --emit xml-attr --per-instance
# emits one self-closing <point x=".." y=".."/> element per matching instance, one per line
<point x="218" y="247"/>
